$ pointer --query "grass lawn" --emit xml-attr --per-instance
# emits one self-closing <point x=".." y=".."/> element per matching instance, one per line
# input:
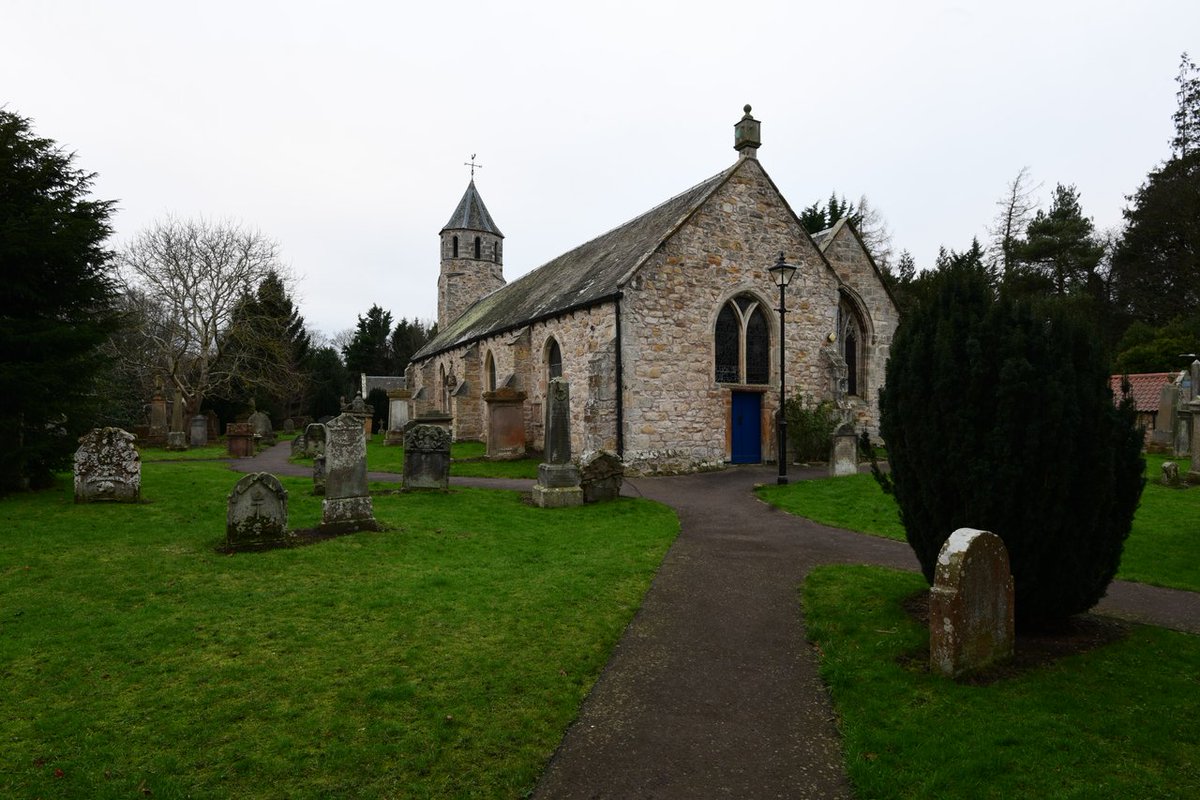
<point x="441" y="658"/>
<point x="1119" y="721"/>
<point x="466" y="461"/>
<point x="1162" y="549"/>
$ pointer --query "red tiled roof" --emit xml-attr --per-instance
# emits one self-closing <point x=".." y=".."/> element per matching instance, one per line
<point x="1146" y="388"/>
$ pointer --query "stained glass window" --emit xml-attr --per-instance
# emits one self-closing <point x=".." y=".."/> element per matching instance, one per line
<point x="758" y="348"/>
<point x="729" y="334"/>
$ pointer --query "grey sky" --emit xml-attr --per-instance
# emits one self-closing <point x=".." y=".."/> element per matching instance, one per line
<point x="340" y="129"/>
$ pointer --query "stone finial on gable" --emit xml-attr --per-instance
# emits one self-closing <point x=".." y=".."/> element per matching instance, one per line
<point x="746" y="136"/>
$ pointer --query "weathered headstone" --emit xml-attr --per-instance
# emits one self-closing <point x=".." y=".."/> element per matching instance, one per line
<point x="289" y="425"/>
<point x="506" y="423"/>
<point x="558" y="479"/>
<point x="257" y="514"/>
<point x="844" y="458"/>
<point x="260" y="425"/>
<point x="1164" y="421"/>
<point x="198" y="431"/>
<point x="214" y="426"/>
<point x="176" y="440"/>
<point x="1170" y="473"/>
<point x="157" y="433"/>
<point x="971" y="622"/>
<point x="1194" y="472"/>
<point x="426" y="457"/>
<point x="601" y="474"/>
<point x="398" y="402"/>
<point x="177" y="412"/>
<point x="298" y="445"/>
<point x="347" y="506"/>
<point x="240" y="439"/>
<point x="314" y="439"/>
<point x="108" y="467"/>
<point x="319" y="475"/>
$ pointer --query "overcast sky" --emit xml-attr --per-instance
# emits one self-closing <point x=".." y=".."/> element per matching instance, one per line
<point x="341" y="129"/>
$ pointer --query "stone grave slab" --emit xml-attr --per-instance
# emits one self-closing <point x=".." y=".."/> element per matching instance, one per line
<point x="971" y="615"/>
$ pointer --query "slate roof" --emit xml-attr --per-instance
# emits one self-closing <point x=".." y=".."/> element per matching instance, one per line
<point x="579" y="278"/>
<point x="472" y="214"/>
<point x="1146" y="388"/>
<point x="385" y="382"/>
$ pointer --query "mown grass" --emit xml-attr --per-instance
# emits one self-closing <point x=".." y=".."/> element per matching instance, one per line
<point x="443" y="657"/>
<point x="1115" y="722"/>
<point x="1163" y="547"/>
<point x="466" y="461"/>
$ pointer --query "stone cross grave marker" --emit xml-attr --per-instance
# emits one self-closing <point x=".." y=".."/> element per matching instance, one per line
<point x="257" y="514"/>
<point x="971" y="604"/>
<point x="558" y="483"/>
<point x="108" y="468"/>
<point x="347" y="506"/>
<point x="427" y="457"/>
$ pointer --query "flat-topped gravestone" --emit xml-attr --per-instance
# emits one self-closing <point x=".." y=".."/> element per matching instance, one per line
<point x="198" y="431"/>
<point x="426" y="457"/>
<point x="176" y="440"/>
<point x="558" y="479"/>
<point x="347" y="506"/>
<point x="601" y="474"/>
<point x="319" y="475"/>
<point x="844" y="458"/>
<point x="257" y="514"/>
<point x="108" y="468"/>
<point x="971" y="619"/>
<point x="1164" y="422"/>
<point x="314" y="439"/>
<point x="398" y="403"/>
<point x="506" y="423"/>
<point x="240" y="439"/>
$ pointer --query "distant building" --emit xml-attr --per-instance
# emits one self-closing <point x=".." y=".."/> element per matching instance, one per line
<point x="666" y="327"/>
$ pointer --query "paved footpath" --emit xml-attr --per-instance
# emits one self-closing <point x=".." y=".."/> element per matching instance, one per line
<point x="712" y="691"/>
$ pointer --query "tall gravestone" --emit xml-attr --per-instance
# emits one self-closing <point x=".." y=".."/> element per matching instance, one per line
<point x="177" y="412"/>
<point x="971" y="620"/>
<point x="257" y="514"/>
<point x="108" y="468"/>
<point x="506" y="423"/>
<point x="319" y="475"/>
<point x="347" y="506"/>
<point x="1164" y="421"/>
<point x="558" y="483"/>
<point x="158" y="417"/>
<point x="239" y="439"/>
<point x="398" y="402"/>
<point x="844" y="458"/>
<point x="426" y="457"/>
<point x="198" y="431"/>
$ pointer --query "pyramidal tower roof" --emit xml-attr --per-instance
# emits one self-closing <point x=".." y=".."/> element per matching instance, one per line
<point x="472" y="214"/>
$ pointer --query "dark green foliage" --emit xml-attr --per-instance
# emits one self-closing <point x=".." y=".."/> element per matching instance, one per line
<point x="370" y="350"/>
<point x="329" y="383"/>
<point x="998" y="415"/>
<point x="1059" y="253"/>
<point x="56" y="308"/>
<point x="1148" y="349"/>
<point x="408" y="338"/>
<point x="810" y="428"/>
<point x="377" y="399"/>
<point x="818" y="216"/>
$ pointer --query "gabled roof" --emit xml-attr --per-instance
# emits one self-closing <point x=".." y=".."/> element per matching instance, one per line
<point x="583" y="277"/>
<point x="822" y="239"/>
<point x="472" y="214"/>
<point x="1146" y="388"/>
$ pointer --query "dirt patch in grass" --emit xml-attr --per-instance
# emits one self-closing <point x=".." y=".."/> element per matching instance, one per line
<point x="1034" y="648"/>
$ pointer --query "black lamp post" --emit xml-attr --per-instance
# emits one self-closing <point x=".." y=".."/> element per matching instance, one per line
<point x="782" y="273"/>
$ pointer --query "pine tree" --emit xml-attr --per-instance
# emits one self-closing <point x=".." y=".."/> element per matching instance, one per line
<point x="370" y="350"/>
<point x="1059" y="253"/>
<point x="998" y="415"/>
<point x="56" y="309"/>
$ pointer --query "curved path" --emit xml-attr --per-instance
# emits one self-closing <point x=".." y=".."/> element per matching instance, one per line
<point x="713" y="690"/>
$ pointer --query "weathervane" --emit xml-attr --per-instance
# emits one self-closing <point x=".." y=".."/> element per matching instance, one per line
<point x="472" y="165"/>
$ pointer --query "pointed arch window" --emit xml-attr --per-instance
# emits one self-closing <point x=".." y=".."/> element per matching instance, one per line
<point x="852" y="335"/>
<point x="554" y="367"/>
<point x="742" y="342"/>
<point x="490" y="373"/>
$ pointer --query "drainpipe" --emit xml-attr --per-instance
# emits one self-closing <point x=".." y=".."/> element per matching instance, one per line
<point x="620" y="382"/>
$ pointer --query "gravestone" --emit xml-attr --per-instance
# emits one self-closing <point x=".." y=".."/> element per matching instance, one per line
<point x="506" y="423"/>
<point x="971" y="604"/>
<point x="1170" y="473"/>
<point x="1194" y="471"/>
<point x="601" y="474"/>
<point x="426" y="457"/>
<point x="314" y="439"/>
<point x="319" y="475"/>
<point x="214" y="426"/>
<point x="239" y="439"/>
<point x="1164" y="422"/>
<point x="347" y="506"/>
<point x="157" y="433"/>
<point x="177" y="412"/>
<point x="257" y="514"/>
<point x="289" y="426"/>
<point x="108" y="467"/>
<point x="558" y="479"/>
<point x="198" y="431"/>
<point x="398" y="401"/>
<point x="844" y="458"/>
<point x="298" y="445"/>
<point x="260" y="425"/>
<point x="176" y="441"/>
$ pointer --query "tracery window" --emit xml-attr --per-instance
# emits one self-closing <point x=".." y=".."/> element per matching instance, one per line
<point x="742" y="342"/>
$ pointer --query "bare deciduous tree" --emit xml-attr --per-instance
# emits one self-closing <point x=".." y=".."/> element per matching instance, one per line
<point x="1016" y="211"/>
<point x="183" y="279"/>
<point x="873" y="229"/>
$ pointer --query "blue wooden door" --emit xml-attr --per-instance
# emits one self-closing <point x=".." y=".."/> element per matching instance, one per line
<point x="746" y="428"/>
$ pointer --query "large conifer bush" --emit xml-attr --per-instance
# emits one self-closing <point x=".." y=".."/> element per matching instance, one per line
<point x="998" y="415"/>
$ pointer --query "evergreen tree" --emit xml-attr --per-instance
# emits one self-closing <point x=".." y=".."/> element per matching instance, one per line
<point x="329" y="383"/>
<point x="370" y="349"/>
<point x="998" y="415"/>
<point x="408" y="338"/>
<point x="1187" y="115"/>
<point x="57" y="307"/>
<point x="1060" y="252"/>
<point x="818" y="217"/>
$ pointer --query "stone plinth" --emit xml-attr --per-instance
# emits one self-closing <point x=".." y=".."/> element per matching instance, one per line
<point x="436" y="419"/>
<point x="971" y="604"/>
<point x="506" y="423"/>
<point x="426" y="457"/>
<point x="398" y="406"/>
<point x="347" y="506"/>
<point x="177" y="441"/>
<point x="601" y="474"/>
<point x="198" y="431"/>
<point x="257" y="515"/>
<point x="240" y="439"/>
<point x="108" y="468"/>
<point x="844" y="458"/>
<point x="558" y="479"/>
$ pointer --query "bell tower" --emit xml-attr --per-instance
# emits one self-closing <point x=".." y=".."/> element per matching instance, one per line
<point x="472" y="256"/>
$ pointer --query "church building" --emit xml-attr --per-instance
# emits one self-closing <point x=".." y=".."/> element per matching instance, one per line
<point x="667" y="327"/>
